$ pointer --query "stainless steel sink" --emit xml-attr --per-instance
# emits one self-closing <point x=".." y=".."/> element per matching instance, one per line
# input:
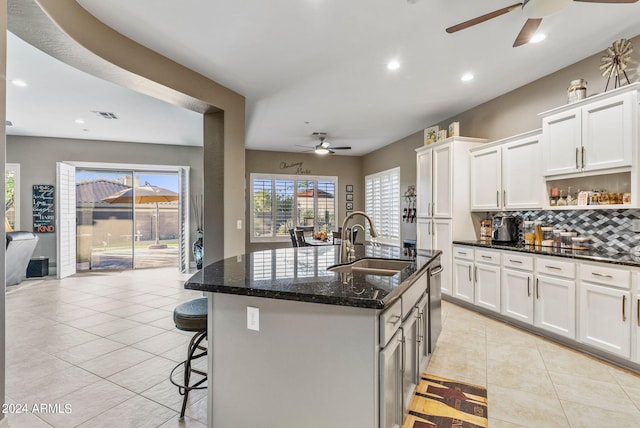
<point x="382" y="267"/>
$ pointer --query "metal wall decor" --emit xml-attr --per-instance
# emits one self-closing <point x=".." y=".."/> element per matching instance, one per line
<point x="614" y="62"/>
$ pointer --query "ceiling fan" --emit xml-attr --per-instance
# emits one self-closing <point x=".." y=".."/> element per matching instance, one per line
<point x="324" y="147"/>
<point x="534" y="10"/>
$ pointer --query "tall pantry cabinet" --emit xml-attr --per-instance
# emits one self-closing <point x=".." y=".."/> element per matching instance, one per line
<point x="442" y="208"/>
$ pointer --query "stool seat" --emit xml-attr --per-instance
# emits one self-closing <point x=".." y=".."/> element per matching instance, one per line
<point x="191" y="315"/>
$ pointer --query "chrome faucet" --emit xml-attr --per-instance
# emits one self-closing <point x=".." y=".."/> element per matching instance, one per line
<point x="346" y="241"/>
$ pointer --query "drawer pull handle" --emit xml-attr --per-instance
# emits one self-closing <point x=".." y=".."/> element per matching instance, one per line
<point x="624" y="301"/>
<point x="475" y="272"/>
<point x="552" y="267"/>
<point x="469" y="273"/>
<point x="498" y="198"/>
<point x="529" y="286"/>
<point x="515" y="261"/>
<point x="577" y="153"/>
<point x="537" y="288"/>
<point x="460" y="252"/>
<point x="487" y="257"/>
<point x="638" y="311"/>
<point x="601" y="275"/>
<point x="394" y="319"/>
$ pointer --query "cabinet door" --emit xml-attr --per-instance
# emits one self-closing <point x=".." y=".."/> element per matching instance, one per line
<point x="391" y="358"/>
<point x="517" y="295"/>
<point x="555" y="305"/>
<point x="637" y="327"/>
<point x="463" y="280"/>
<point x="522" y="181"/>
<point x="424" y="234"/>
<point x="607" y="132"/>
<point x="442" y="178"/>
<point x="486" y="187"/>
<point x="410" y="374"/>
<point x="487" y="293"/>
<point x="424" y="180"/>
<point x="605" y="318"/>
<point x="561" y="142"/>
<point x="423" y="333"/>
<point x="442" y="241"/>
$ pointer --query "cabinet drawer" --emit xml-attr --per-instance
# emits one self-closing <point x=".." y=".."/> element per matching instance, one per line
<point x="465" y="253"/>
<point x="413" y="294"/>
<point x="555" y="267"/>
<point x="488" y="256"/>
<point x="517" y="261"/>
<point x="390" y="321"/>
<point x="607" y="275"/>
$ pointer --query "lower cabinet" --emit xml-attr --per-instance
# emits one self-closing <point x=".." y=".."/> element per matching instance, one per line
<point x="637" y="328"/>
<point x="555" y="305"/>
<point x="423" y="334"/>
<point x="487" y="293"/>
<point x="463" y="280"/>
<point x="517" y="295"/>
<point x="391" y="360"/>
<point x="605" y="318"/>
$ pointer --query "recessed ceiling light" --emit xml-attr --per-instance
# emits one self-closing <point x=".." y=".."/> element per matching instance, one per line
<point x="393" y="64"/>
<point x="466" y="77"/>
<point x="18" y="82"/>
<point x="537" y="38"/>
<point x="79" y="121"/>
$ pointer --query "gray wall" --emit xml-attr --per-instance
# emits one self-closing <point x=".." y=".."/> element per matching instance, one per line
<point x="348" y="169"/>
<point x="37" y="157"/>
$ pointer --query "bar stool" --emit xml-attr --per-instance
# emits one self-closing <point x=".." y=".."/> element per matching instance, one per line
<point x="191" y="316"/>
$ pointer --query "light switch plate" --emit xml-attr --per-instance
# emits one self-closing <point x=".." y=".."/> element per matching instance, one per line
<point x="253" y="318"/>
<point x="239" y="224"/>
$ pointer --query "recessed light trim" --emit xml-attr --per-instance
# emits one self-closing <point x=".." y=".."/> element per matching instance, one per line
<point x="467" y="77"/>
<point x="394" y="64"/>
<point x="537" y="38"/>
<point x="79" y="121"/>
<point x="19" y="83"/>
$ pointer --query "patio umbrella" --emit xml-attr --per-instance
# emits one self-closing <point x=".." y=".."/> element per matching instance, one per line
<point x="146" y="194"/>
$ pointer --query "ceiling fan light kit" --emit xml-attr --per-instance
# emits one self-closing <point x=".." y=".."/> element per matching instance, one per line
<point x="534" y="11"/>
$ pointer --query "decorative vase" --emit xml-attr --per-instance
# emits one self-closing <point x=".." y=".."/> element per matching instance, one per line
<point x="198" y="249"/>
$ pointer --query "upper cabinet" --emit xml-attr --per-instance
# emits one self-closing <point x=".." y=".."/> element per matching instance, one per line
<point x="507" y="174"/>
<point x="596" y="134"/>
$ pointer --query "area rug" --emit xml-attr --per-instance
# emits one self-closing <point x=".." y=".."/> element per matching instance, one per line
<point x="445" y="403"/>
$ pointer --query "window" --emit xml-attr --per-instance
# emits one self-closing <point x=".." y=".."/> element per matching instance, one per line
<point x="282" y="202"/>
<point x="12" y="196"/>
<point x="382" y="203"/>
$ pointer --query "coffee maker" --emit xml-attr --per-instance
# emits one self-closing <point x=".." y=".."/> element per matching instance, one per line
<point x="504" y="229"/>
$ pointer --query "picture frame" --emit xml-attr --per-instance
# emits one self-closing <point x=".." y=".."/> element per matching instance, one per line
<point x="349" y="206"/>
<point x="349" y="188"/>
<point x="431" y="135"/>
<point x="349" y="196"/>
<point x="454" y="129"/>
<point x="442" y="134"/>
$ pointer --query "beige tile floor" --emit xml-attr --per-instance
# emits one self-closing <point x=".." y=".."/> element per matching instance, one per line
<point x="104" y="343"/>
<point x="531" y="381"/>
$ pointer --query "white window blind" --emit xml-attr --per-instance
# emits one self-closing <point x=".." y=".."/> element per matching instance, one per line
<point x="382" y="203"/>
<point x="282" y="202"/>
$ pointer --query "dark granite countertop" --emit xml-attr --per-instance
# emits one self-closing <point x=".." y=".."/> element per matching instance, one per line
<point x="301" y="274"/>
<point x="625" y="259"/>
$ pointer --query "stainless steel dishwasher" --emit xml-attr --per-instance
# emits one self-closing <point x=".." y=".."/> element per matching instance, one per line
<point x="435" y="303"/>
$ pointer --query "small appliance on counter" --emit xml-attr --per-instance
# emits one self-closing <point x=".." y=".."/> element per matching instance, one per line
<point x="504" y="229"/>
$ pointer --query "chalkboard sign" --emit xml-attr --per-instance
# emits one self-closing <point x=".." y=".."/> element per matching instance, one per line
<point x="43" y="208"/>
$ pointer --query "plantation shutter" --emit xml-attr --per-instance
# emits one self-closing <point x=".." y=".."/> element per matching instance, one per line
<point x="382" y="204"/>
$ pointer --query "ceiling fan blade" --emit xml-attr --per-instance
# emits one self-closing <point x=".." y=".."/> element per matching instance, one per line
<point x="607" y="1"/>
<point x="528" y="30"/>
<point x="341" y="148"/>
<point x="483" y="18"/>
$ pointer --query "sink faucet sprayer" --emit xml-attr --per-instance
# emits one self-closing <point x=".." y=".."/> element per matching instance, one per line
<point x="346" y="243"/>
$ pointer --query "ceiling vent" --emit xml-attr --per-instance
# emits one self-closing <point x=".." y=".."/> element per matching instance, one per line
<point x="105" y="114"/>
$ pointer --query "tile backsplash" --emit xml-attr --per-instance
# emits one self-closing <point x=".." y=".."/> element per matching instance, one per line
<point x="610" y="230"/>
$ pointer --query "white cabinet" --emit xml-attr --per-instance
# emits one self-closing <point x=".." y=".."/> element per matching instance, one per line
<point x="463" y="273"/>
<point x="517" y="284"/>
<point x="434" y="177"/>
<point x="605" y="309"/>
<point x="424" y="180"/>
<point x="507" y="174"/>
<point x="637" y="327"/>
<point x="595" y="134"/>
<point x="555" y="293"/>
<point x="436" y="234"/>
<point x="391" y="360"/>
<point x="487" y="279"/>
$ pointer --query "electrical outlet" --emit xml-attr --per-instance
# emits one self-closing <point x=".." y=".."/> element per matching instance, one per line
<point x="253" y="318"/>
<point x="239" y="224"/>
<point x="635" y="225"/>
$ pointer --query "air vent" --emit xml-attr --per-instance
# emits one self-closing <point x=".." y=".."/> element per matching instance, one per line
<point x="105" y="114"/>
<point x="8" y="123"/>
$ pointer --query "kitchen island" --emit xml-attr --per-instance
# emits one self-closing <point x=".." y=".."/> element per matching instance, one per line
<point x="293" y="344"/>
